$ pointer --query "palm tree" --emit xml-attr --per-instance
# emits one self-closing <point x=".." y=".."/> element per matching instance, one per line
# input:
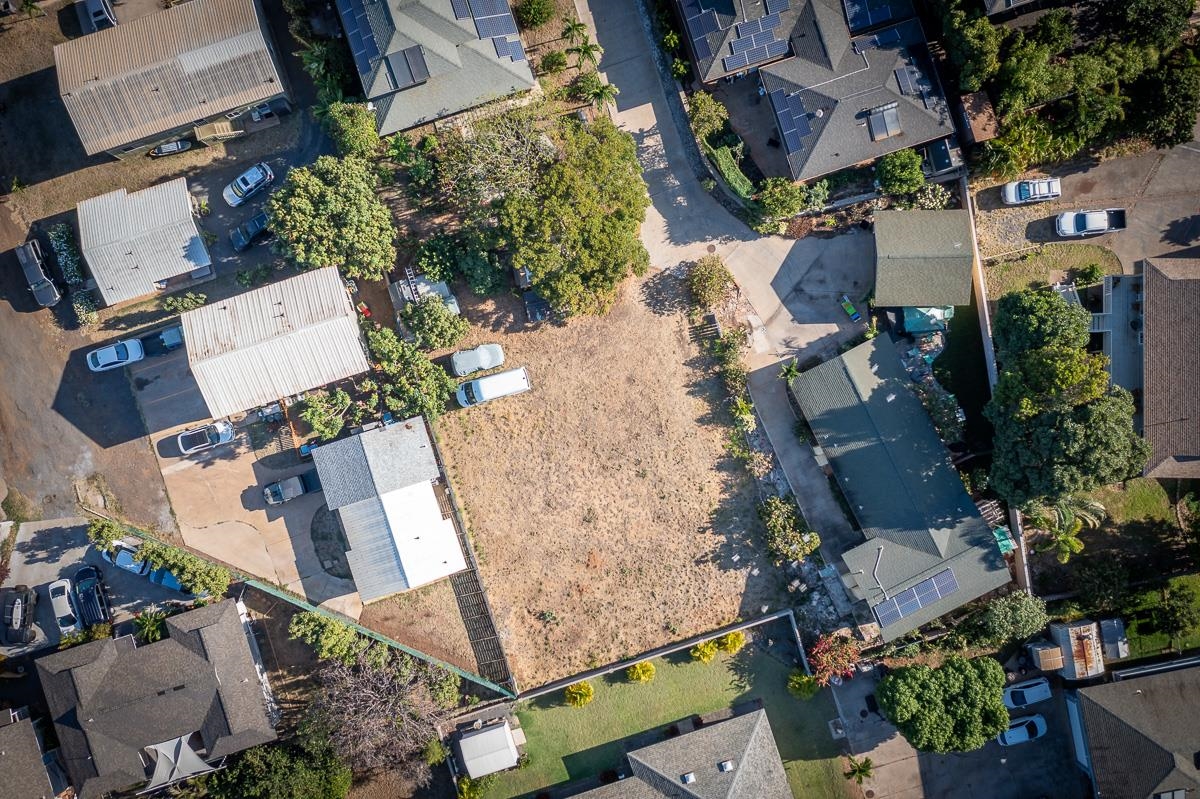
<point x="1088" y="511"/>
<point x="574" y="30"/>
<point x="602" y="94"/>
<point x="1060" y="534"/>
<point x="789" y="371"/>
<point x="859" y="769"/>
<point x="586" y="50"/>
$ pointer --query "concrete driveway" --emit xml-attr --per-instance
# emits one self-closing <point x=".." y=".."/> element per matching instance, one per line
<point x="51" y="550"/>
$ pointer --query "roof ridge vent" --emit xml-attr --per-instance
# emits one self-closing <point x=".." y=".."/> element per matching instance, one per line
<point x="725" y="765"/>
<point x="689" y="778"/>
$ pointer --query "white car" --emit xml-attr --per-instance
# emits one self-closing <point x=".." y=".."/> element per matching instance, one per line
<point x="114" y="356"/>
<point x="205" y="437"/>
<point x="247" y="184"/>
<point x="1022" y="730"/>
<point x="1020" y="192"/>
<point x="483" y="357"/>
<point x="1023" y="694"/>
<point x="63" y="603"/>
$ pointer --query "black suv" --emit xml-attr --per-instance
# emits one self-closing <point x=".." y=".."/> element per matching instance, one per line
<point x="19" y="606"/>
<point x="90" y="597"/>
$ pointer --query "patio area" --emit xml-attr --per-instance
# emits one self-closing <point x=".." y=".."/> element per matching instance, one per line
<point x="751" y="118"/>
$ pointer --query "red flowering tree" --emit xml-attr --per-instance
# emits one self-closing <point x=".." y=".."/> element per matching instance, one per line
<point x="833" y="656"/>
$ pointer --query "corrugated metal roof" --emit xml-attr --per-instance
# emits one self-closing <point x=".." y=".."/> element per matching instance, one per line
<point x="131" y="241"/>
<point x="273" y="342"/>
<point x="165" y="70"/>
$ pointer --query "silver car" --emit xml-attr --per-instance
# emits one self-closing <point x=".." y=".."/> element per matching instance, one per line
<point x="205" y="437"/>
<point x="247" y="184"/>
<point x="482" y="358"/>
<point x="63" y="603"/>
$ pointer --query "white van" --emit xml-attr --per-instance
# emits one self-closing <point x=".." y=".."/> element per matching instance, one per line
<point x="489" y="387"/>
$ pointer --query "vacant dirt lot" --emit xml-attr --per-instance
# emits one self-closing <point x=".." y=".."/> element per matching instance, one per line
<point x="426" y="619"/>
<point x="605" y="515"/>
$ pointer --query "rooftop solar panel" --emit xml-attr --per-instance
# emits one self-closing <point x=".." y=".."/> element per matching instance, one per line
<point x="691" y="8"/>
<point x="757" y="54"/>
<point x="887" y="614"/>
<point x="735" y="62"/>
<point x="749" y="28"/>
<point x="741" y="45"/>
<point x="763" y="38"/>
<point x="490" y="8"/>
<point x="921" y="595"/>
<point x="516" y="51"/>
<point x="490" y="27"/>
<point x="791" y="142"/>
<point x="775" y="6"/>
<point x="461" y="9"/>
<point x="704" y="24"/>
<point x="703" y="49"/>
<point x="776" y="49"/>
<point x="501" y="45"/>
<point x="770" y="22"/>
<point x="889" y="36"/>
<point x="945" y="583"/>
<point x="802" y="127"/>
<point x="796" y="105"/>
<point x="904" y="80"/>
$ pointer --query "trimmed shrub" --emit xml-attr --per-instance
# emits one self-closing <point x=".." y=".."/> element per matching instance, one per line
<point x="184" y="302"/>
<point x="640" y="672"/>
<point x="803" y="686"/>
<point x="709" y="281"/>
<point x="727" y="165"/>
<point x="707" y="115"/>
<point x="899" y="173"/>
<point x="554" y="61"/>
<point x="788" y="537"/>
<point x="62" y="241"/>
<point x="579" y="694"/>
<point x="533" y="13"/>
<point x="732" y="643"/>
<point x="705" y="652"/>
<point x="352" y="128"/>
<point x="84" y="306"/>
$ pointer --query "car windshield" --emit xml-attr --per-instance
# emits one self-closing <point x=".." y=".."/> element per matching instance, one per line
<point x="276" y="492"/>
<point x="66" y="621"/>
<point x="1023" y="191"/>
<point x="124" y="558"/>
<point x="469" y="393"/>
<point x="121" y="351"/>
<point x="1030" y="729"/>
<point x="85" y="585"/>
<point x="214" y="435"/>
<point x="1018" y="697"/>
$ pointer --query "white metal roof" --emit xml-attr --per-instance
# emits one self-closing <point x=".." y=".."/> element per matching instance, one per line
<point x="273" y="342"/>
<point x="488" y="750"/>
<point x="132" y="241"/>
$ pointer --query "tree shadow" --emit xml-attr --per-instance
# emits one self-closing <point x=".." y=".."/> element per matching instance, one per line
<point x="665" y="293"/>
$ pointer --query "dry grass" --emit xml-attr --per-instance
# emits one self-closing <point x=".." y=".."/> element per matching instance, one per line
<point x="426" y="619"/>
<point x="603" y="509"/>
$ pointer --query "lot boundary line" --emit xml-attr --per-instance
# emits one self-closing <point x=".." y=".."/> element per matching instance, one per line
<point x="299" y="602"/>
<point x="670" y="649"/>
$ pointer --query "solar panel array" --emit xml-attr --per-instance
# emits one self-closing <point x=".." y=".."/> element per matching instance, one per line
<point x="881" y="39"/>
<point x="863" y="14"/>
<point x="792" y="118"/>
<point x="462" y="9"/>
<point x="756" y="40"/>
<point x="358" y="34"/>
<point x="513" y="49"/>
<point x="493" y="20"/>
<point x="921" y="595"/>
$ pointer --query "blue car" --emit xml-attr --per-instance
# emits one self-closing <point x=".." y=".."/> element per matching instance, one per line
<point x="123" y="556"/>
<point x="167" y="579"/>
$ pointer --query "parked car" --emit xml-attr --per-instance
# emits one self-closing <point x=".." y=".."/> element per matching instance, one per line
<point x="160" y="343"/>
<point x="1020" y="192"/>
<point x="62" y="601"/>
<point x="289" y="488"/>
<point x="90" y="597"/>
<point x="170" y="148"/>
<point x="124" y="556"/>
<point x="1023" y="694"/>
<point x="1076" y="224"/>
<point x="114" y="356"/>
<point x="99" y="14"/>
<point x="205" y="437"/>
<point x="247" y="184"/>
<point x="19" y="605"/>
<point x="490" y="387"/>
<point x="480" y="359"/>
<point x="1022" y="730"/>
<point x="849" y="308"/>
<point x="33" y="264"/>
<point x="167" y="579"/>
<point x="245" y="235"/>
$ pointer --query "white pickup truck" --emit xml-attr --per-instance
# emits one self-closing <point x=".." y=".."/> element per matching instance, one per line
<point x="1073" y="224"/>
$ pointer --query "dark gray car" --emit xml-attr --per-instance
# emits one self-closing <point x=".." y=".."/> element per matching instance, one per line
<point x="90" y="597"/>
<point x="33" y="264"/>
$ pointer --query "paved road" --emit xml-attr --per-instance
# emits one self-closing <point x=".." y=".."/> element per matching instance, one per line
<point x="792" y="285"/>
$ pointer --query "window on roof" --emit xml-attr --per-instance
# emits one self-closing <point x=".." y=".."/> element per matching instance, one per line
<point x="883" y="121"/>
<point x="1176" y="794"/>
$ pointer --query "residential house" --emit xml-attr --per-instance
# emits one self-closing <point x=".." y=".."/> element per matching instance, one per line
<point x="274" y="342"/>
<point x="22" y="771"/>
<point x="424" y="60"/>
<point x="731" y="759"/>
<point x="1137" y="737"/>
<point x="132" y="717"/>
<point x="142" y="243"/>
<point x="157" y="78"/>
<point x="923" y="259"/>
<point x="387" y="490"/>
<point x="927" y="549"/>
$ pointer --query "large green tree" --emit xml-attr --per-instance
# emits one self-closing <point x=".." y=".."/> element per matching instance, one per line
<point x="957" y="707"/>
<point x="578" y="233"/>
<point x="1049" y="379"/>
<point x="307" y="768"/>
<point x="1029" y="320"/>
<point x="409" y="383"/>
<point x="1166" y="101"/>
<point x="1159" y="23"/>
<point x="327" y="214"/>
<point x="973" y="44"/>
<point x="352" y="128"/>
<point x="1014" y="617"/>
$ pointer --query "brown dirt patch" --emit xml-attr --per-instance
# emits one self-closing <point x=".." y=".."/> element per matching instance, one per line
<point x="426" y="619"/>
<point x="603" y="509"/>
<point x="290" y="664"/>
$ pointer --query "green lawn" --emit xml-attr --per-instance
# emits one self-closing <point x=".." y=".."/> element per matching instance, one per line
<point x="1138" y="500"/>
<point x="1045" y="265"/>
<point x="566" y="743"/>
<point x="1144" y="638"/>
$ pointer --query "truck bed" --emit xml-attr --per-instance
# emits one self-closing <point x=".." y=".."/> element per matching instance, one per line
<point x="163" y="341"/>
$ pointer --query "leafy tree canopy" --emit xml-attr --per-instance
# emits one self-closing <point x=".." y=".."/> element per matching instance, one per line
<point x="973" y="45"/>
<point x="305" y="769"/>
<point x="409" y="383"/>
<point x="1029" y="320"/>
<point x="1014" y="617"/>
<point x="327" y="214"/>
<point x="196" y="574"/>
<point x="707" y="114"/>
<point x="1160" y="23"/>
<point x="1048" y="379"/>
<point x="433" y="323"/>
<point x="325" y="412"/>
<point x="579" y="235"/>
<point x="900" y="172"/>
<point x="957" y="707"/>
<point x="1166" y="101"/>
<point x="352" y="128"/>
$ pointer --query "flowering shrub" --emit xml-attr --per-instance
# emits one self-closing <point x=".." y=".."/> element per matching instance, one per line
<point x="833" y="656"/>
<point x="85" y="308"/>
<point x="62" y="239"/>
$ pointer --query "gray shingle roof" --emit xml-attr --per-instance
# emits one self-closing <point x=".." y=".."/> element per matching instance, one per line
<point x="1171" y="379"/>
<point x="464" y="70"/>
<point x="276" y="341"/>
<point x="375" y="462"/>
<point x="841" y="80"/>
<point x="923" y="258"/>
<point x="165" y="70"/>
<point x="746" y="740"/>
<point x="897" y="478"/>
<point x="109" y="701"/>
<point x="24" y="776"/>
<point x="132" y="241"/>
<point x="1142" y="734"/>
